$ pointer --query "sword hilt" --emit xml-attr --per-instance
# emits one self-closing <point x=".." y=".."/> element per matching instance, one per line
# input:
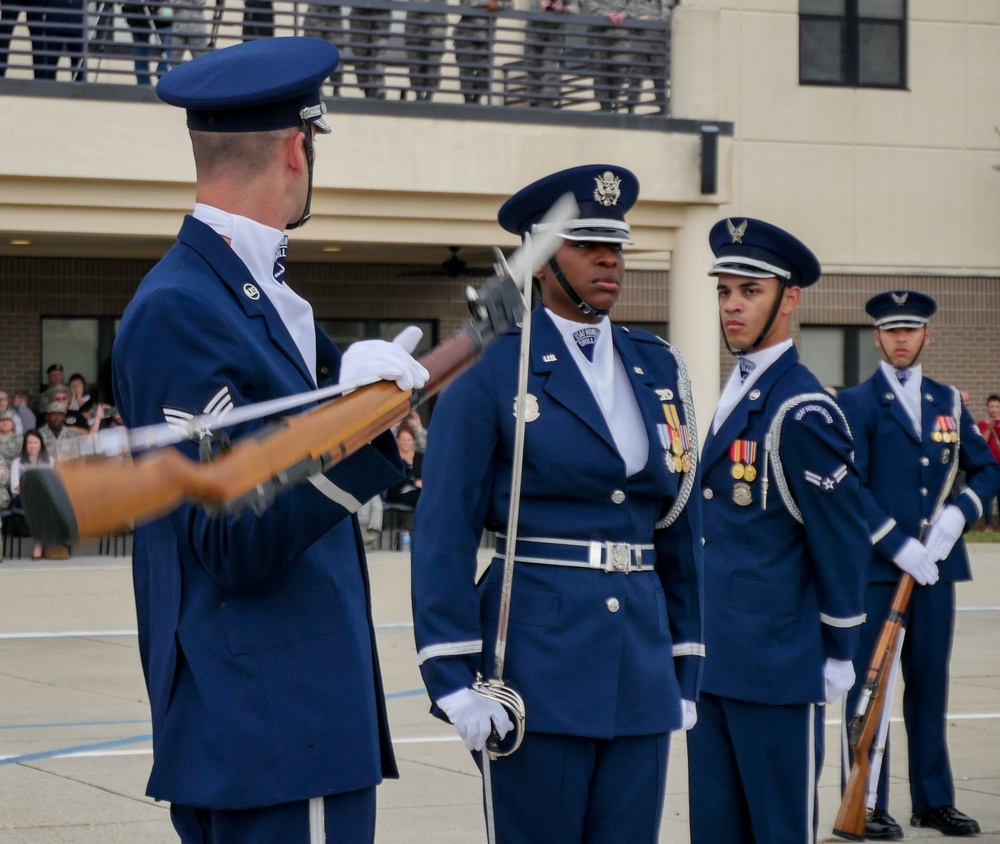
<point x="513" y="703"/>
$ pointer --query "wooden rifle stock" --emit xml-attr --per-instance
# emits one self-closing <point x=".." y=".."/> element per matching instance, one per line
<point x="850" y="822"/>
<point x="92" y="496"/>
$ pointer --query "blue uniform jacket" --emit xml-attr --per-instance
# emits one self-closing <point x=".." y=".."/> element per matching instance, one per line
<point x="255" y="632"/>
<point x="582" y="668"/>
<point x="782" y="595"/>
<point x="904" y="473"/>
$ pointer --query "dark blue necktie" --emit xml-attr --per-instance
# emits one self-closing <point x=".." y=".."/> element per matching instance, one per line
<point x="279" y="260"/>
<point x="586" y="339"/>
<point x="746" y="367"/>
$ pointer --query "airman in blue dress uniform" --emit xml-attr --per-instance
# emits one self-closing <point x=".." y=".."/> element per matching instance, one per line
<point x="908" y="429"/>
<point x="255" y="631"/>
<point x="604" y="643"/>
<point x="786" y="546"/>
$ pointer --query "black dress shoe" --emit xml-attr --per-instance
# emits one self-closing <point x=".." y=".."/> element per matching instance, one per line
<point x="947" y="820"/>
<point x="880" y="826"/>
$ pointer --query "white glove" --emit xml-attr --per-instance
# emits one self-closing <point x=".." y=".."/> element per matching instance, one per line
<point x="944" y="532"/>
<point x="376" y="360"/>
<point x="689" y="714"/>
<point x="914" y="559"/>
<point x="474" y="716"/>
<point x="838" y="678"/>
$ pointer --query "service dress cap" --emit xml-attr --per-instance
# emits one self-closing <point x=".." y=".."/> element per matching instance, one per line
<point x="257" y="86"/>
<point x="604" y="193"/>
<point x="901" y="309"/>
<point x="753" y="248"/>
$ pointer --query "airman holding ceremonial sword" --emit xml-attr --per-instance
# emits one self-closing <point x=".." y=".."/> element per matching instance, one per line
<point x="590" y="610"/>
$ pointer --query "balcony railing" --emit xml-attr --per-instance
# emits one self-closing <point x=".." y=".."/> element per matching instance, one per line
<point x="390" y="49"/>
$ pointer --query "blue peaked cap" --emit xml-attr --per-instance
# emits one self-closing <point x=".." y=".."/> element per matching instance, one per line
<point x="901" y="309"/>
<point x="604" y="193"/>
<point x="257" y="86"/>
<point x="753" y="248"/>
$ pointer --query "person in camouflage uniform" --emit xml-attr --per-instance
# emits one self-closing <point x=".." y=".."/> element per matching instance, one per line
<point x="472" y="40"/>
<point x="57" y="436"/>
<point x="368" y="31"/>
<point x="623" y="62"/>
<point x="10" y="440"/>
<point x="543" y="44"/>
<point x="424" y="40"/>
<point x="324" y="20"/>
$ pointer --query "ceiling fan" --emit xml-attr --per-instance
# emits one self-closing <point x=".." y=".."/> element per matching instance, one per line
<point x="455" y="267"/>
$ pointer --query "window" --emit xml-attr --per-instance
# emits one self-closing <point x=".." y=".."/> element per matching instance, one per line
<point x="839" y="355"/>
<point x="859" y="43"/>
<point x="343" y="332"/>
<point x="80" y="344"/>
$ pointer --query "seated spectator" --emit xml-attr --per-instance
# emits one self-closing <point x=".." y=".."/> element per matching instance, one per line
<point x="33" y="456"/>
<point x="5" y="407"/>
<point x="55" y="378"/>
<point x="22" y="409"/>
<point x="58" y="438"/>
<point x="990" y="429"/>
<point x="416" y="424"/>
<point x="106" y="416"/>
<point x="370" y="519"/>
<point x="407" y="492"/>
<point x="11" y="442"/>
<point x="81" y="408"/>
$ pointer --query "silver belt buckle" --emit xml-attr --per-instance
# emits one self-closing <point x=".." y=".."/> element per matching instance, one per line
<point x="619" y="556"/>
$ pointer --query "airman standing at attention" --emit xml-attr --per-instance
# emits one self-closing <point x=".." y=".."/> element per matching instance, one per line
<point x="786" y="547"/>
<point x="908" y="429"/>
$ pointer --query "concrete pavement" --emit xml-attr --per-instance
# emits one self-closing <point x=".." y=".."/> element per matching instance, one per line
<point x="74" y="716"/>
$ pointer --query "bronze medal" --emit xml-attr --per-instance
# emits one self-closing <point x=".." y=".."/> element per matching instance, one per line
<point x="937" y="436"/>
<point x="750" y="474"/>
<point x="686" y="462"/>
<point x="741" y="495"/>
<point x="737" y="471"/>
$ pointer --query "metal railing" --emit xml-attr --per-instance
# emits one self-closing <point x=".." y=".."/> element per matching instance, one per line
<point x="390" y="49"/>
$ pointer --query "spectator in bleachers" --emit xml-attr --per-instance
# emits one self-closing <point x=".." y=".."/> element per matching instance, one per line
<point x="188" y="31"/>
<point x="370" y="519"/>
<point x="407" y="491"/>
<point x="55" y="377"/>
<point x="647" y="57"/>
<point x="33" y="456"/>
<point x="543" y="46"/>
<point x="472" y="37"/>
<point x="258" y="19"/>
<point x="416" y="425"/>
<point x="56" y="28"/>
<point x="56" y="434"/>
<point x="5" y="407"/>
<point x="324" y="20"/>
<point x="22" y="409"/>
<point x="621" y="60"/>
<point x="81" y="408"/>
<point x="424" y="40"/>
<point x="149" y="23"/>
<point x="10" y="441"/>
<point x="368" y="30"/>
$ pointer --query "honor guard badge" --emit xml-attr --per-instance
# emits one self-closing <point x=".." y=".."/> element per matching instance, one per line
<point x="743" y="453"/>
<point x="665" y="394"/>
<point x="530" y="408"/>
<point x="945" y="430"/>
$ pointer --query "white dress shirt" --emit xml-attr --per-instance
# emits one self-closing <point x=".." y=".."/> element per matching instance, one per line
<point x="735" y="389"/>
<point x="908" y="393"/>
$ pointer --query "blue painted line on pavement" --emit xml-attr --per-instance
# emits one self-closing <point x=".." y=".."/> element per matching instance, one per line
<point x="79" y="748"/>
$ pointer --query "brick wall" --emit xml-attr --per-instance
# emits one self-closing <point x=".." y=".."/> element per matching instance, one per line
<point x="966" y="332"/>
